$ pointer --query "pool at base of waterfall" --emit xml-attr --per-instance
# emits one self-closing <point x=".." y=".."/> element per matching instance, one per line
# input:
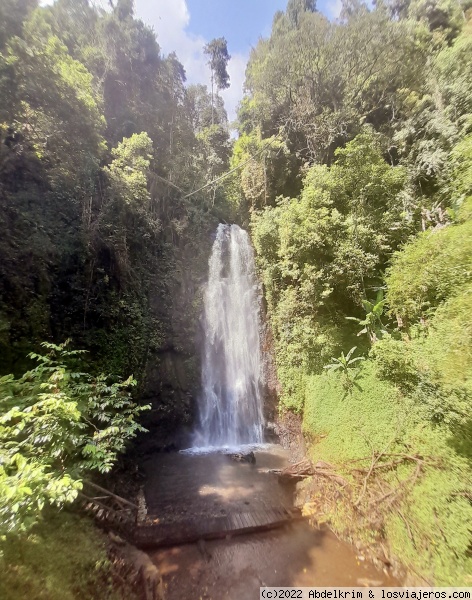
<point x="201" y="484"/>
<point x="237" y="449"/>
<point x="209" y="482"/>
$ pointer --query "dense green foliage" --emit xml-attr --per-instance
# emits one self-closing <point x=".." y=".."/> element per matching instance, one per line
<point x="57" y="423"/>
<point x="387" y="419"/>
<point x="322" y="254"/>
<point x="429" y="270"/>
<point x="359" y="204"/>
<point x="100" y="142"/>
<point x="63" y="558"/>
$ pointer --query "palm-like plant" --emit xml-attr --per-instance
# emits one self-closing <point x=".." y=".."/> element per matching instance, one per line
<point x="345" y="364"/>
<point x="372" y="323"/>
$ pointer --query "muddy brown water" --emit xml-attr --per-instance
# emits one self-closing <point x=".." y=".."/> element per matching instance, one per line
<point x="182" y="486"/>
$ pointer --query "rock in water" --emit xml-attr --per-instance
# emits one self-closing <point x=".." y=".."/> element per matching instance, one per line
<point x="239" y="457"/>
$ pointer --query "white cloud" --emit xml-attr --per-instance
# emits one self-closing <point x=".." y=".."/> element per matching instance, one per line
<point x="98" y="3"/>
<point x="170" y="19"/>
<point x="333" y="8"/>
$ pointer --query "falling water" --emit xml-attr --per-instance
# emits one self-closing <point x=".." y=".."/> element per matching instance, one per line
<point x="230" y="403"/>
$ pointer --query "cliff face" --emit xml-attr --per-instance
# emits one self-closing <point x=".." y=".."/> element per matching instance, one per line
<point x="172" y="372"/>
<point x="60" y="280"/>
<point x="271" y="385"/>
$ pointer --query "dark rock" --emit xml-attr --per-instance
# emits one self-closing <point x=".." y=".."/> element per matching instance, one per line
<point x="239" y="457"/>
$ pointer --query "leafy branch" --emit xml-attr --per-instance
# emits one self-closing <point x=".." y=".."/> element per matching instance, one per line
<point x="56" y="424"/>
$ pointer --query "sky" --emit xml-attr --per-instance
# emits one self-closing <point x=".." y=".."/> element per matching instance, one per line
<point x="185" y="26"/>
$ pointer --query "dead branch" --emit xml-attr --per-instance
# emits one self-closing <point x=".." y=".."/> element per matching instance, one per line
<point x="119" y="499"/>
<point x="392" y="463"/>
<point x="364" y="485"/>
<point x="391" y="495"/>
<point x="407" y="525"/>
<point x="335" y="477"/>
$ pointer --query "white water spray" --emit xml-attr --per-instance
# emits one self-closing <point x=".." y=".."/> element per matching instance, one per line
<point x="231" y="403"/>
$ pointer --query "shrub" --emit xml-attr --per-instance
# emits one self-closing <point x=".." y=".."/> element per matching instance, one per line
<point x="57" y="423"/>
<point x="395" y="363"/>
<point x="62" y="558"/>
<point x="447" y="350"/>
<point x="429" y="270"/>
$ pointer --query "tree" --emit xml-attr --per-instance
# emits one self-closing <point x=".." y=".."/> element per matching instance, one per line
<point x="124" y="9"/>
<point x="217" y="52"/>
<point x="199" y="108"/>
<point x="295" y="8"/>
<point x="129" y="168"/>
<point x="126" y="221"/>
<point x="12" y="15"/>
<point x="55" y="104"/>
<point x="333" y="82"/>
<point x="268" y="173"/>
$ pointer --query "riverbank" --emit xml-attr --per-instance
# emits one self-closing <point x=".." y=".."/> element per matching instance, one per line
<point x="394" y="486"/>
<point x="296" y="555"/>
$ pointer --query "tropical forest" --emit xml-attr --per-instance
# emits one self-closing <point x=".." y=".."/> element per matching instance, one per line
<point x="235" y="326"/>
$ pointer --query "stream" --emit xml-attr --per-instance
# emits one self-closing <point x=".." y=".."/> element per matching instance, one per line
<point x="202" y="486"/>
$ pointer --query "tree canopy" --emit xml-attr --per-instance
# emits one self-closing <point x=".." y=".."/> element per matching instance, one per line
<point x="218" y="58"/>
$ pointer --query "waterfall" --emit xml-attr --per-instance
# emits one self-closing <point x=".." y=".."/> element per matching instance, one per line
<point x="230" y="404"/>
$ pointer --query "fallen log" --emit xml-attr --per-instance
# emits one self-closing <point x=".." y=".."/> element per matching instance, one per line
<point x="117" y="499"/>
<point x="304" y="468"/>
<point x="296" y="472"/>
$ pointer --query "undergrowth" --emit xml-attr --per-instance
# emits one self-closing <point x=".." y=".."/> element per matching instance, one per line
<point x="405" y="482"/>
<point x="63" y="558"/>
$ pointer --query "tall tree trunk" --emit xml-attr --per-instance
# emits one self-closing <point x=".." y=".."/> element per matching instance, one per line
<point x="212" y="100"/>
